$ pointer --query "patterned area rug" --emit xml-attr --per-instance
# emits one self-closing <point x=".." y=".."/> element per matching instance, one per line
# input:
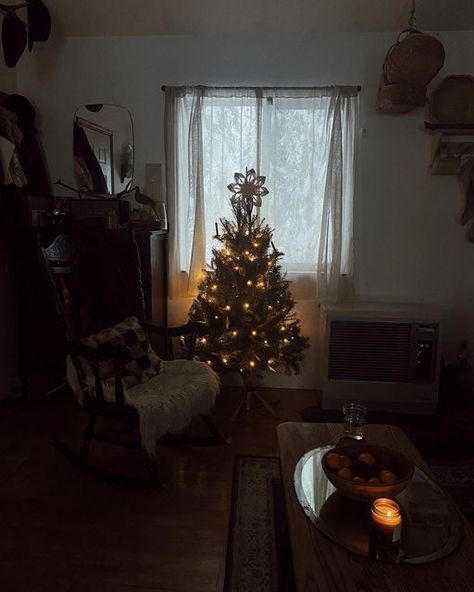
<point x="259" y="553"/>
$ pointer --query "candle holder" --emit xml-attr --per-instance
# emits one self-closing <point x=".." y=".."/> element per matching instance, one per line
<point x="385" y="530"/>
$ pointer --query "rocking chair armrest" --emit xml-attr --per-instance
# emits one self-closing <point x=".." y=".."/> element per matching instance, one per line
<point x="193" y="327"/>
<point x="114" y="354"/>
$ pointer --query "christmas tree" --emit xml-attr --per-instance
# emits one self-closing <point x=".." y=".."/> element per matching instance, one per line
<point x="244" y="296"/>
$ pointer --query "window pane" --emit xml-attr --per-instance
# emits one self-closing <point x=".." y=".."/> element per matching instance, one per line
<point x="230" y="140"/>
<point x="293" y="143"/>
<point x="294" y="154"/>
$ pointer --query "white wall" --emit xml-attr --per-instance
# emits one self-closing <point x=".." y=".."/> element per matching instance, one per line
<point x="409" y="246"/>
<point x="8" y="78"/>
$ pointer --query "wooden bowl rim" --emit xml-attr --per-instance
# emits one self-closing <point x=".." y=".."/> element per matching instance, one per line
<point x="358" y="484"/>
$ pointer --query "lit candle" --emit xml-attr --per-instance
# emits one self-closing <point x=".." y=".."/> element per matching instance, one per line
<point x="386" y="526"/>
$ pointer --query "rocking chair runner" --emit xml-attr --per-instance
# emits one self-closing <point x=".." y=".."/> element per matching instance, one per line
<point x="149" y="410"/>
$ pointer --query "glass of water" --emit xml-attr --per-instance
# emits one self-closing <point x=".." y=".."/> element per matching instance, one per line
<point x="355" y="415"/>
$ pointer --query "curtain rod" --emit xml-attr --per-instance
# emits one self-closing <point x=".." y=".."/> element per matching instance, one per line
<point x="359" y="88"/>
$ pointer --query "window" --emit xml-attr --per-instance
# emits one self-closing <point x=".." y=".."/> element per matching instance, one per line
<point x="302" y="140"/>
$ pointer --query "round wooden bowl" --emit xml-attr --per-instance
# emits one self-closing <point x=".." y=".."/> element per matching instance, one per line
<point x="386" y="458"/>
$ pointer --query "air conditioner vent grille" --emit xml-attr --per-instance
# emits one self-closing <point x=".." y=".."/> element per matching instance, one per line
<point x="365" y="350"/>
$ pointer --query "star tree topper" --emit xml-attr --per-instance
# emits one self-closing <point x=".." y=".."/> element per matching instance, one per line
<point x="248" y="190"/>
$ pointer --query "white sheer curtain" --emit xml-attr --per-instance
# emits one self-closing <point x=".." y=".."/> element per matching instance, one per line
<point x="303" y="140"/>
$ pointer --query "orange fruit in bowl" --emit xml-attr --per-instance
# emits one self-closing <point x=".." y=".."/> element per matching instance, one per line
<point x="358" y="479"/>
<point x="388" y="477"/>
<point x="346" y="460"/>
<point x="375" y="480"/>
<point x="367" y="458"/>
<point x="334" y="461"/>
<point x="345" y="473"/>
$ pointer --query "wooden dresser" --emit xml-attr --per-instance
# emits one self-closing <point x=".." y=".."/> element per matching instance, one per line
<point x="101" y="289"/>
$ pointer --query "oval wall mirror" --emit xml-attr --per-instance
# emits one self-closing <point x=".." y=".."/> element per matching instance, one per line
<point x="103" y="149"/>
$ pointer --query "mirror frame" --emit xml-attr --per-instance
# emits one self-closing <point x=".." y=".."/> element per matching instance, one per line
<point x="124" y="167"/>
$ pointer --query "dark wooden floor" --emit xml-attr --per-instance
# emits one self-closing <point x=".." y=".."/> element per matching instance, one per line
<point x="62" y="531"/>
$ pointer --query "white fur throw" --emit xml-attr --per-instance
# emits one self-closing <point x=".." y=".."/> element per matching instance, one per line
<point x="167" y="402"/>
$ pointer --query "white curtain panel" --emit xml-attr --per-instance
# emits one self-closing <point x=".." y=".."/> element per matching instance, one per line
<point x="303" y="140"/>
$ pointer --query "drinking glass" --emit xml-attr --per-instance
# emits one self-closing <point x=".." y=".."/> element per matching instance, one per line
<point x="354" y="420"/>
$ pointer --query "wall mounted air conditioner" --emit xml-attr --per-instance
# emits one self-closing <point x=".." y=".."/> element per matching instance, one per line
<point x="386" y="355"/>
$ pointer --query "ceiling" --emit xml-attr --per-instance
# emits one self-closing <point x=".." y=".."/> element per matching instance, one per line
<point x="230" y="17"/>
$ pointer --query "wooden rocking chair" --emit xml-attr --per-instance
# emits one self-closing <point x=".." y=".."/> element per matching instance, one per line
<point x="101" y="398"/>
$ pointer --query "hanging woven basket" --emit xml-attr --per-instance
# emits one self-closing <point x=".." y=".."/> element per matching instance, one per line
<point x="400" y="98"/>
<point x="453" y="101"/>
<point x="413" y="59"/>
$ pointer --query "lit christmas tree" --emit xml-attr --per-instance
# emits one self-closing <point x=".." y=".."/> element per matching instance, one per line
<point x="244" y="296"/>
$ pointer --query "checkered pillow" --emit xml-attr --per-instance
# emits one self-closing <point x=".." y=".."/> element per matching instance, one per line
<point x="139" y="362"/>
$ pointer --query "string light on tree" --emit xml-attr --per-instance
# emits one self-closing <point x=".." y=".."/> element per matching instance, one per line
<point x="244" y="297"/>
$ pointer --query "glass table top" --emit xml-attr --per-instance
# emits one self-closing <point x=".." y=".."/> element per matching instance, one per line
<point x="431" y="526"/>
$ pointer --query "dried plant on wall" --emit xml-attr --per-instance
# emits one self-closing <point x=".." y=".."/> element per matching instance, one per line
<point x="32" y="26"/>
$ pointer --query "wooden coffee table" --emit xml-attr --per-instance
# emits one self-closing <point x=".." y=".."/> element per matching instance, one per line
<point x="322" y="566"/>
